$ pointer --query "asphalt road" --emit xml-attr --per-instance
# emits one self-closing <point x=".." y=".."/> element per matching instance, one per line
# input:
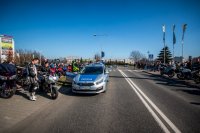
<point x="135" y="102"/>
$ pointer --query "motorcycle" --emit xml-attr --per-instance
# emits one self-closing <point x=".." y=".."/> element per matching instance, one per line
<point x="47" y="83"/>
<point x="196" y="76"/>
<point x="184" y="73"/>
<point x="167" y="70"/>
<point x="60" y="71"/>
<point x="23" y="80"/>
<point x="7" y="81"/>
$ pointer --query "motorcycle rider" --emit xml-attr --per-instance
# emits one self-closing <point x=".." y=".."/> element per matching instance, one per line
<point x="33" y="78"/>
<point x="45" y="68"/>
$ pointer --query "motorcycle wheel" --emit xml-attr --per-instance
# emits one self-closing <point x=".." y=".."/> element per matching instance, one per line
<point x="197" y="80"/>
<point x="161" y="73"/>
<point x="171" y="74"/>
<point x="8" y="93"/>
<point x="180" y="76"/>
<point x="54" y="93"/>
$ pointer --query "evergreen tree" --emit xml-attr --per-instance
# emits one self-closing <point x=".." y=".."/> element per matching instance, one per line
<point x="81" y="60"/>
<point x="168" y="55"/>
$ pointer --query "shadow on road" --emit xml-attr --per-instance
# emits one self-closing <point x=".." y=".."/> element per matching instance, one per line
<point x="181" y="85"/>
<point x="67" y="90"/>
<point x="21" y="93"/>
<point x="195" y="103"/>
<point x="25" y="94"/>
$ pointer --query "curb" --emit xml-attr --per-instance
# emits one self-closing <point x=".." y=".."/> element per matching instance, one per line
<point x="182" y="81"/>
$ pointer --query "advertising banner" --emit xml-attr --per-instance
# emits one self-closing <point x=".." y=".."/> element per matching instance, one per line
<point x="6" y="46"/>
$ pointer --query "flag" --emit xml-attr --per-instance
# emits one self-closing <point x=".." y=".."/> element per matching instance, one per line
<point x="174" y="36"/>
<point x="102" y="54"/>
<point x="184" y="28"/>
<point x="163" y="28"/>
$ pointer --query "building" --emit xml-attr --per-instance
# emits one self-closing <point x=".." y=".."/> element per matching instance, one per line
<point x="178" y="59"/>
<point x="196" y="59"/>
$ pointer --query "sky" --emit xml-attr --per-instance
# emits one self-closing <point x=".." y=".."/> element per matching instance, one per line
<point x="66" y="28"/>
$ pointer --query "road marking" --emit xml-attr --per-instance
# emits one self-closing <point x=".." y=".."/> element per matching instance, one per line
<point x="134" y="70"/>
<point x="141" y="95"/>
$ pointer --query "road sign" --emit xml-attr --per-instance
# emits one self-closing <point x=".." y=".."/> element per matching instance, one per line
<point x="151" y="56"/>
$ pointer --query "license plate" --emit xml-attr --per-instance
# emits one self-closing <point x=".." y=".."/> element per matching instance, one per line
<point x="84" y="88"/>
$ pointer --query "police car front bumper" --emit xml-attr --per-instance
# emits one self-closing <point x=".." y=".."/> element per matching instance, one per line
<point x="95" y="89"/>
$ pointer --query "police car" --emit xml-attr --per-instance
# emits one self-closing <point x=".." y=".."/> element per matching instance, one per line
<point x="92" y="79"/>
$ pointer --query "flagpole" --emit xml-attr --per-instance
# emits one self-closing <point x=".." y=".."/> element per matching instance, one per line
<point x="164" y="41"/>
<point x="182" y="51"/>
<point x="173" y="52"/>
<point x="164" y="50"/>
<point x="184" y="28"/>
<point x="174" y="40"/>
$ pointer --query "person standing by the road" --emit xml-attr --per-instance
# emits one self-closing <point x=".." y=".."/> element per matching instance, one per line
<point x="33" y="78"/>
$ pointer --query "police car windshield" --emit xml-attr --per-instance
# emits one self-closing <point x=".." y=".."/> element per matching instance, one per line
<point x="92" y="70"/>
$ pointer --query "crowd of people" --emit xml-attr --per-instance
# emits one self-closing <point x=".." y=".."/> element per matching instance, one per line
<point x="48" y="66"/>
<point x="155" y="66"/>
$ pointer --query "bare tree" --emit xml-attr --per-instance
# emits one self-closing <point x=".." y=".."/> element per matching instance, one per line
<point x="136" y="56"/>
<point x="22" y="56"/>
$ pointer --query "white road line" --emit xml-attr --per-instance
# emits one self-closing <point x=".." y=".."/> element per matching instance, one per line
<point x="134" y="70"/>
<point x="157" y="109"/>
<point x="140" y="94"/>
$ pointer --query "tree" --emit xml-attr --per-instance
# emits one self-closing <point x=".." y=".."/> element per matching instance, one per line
<point x="136" y="56"/>
<point x="9" y="56"/>
<point x="81" y="60"/>
<point x="22" y="56"/>
<point x="168" y="55"/>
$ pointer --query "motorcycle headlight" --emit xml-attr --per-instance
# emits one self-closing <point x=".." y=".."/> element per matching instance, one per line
<point x="99" y="82"/>
<point x="54" y="78"/>
<point x="13" y="77"/>
<point x="3" y="78"/>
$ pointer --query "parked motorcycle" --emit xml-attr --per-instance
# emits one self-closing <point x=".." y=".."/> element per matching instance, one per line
<point x="184" y="73"/>
<point x="167" y="70"/>
<point x="23" y="80"/>
<point x="47" y="83"/>
<point x="7" y="80"/>
<point x="196" y="76"/>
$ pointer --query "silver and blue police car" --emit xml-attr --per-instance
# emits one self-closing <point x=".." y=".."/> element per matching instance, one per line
<point x="92" y="79"/>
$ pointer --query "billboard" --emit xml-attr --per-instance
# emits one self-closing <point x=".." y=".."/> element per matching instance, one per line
<point x="6" y="46"/>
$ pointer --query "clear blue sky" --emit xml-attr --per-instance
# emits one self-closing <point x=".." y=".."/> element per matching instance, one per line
<point x="65" y="28"/>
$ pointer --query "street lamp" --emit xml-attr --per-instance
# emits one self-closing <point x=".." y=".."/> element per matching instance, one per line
<point x="100" y="35"/>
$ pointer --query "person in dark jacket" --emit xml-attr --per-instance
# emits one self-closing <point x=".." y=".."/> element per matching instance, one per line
<point x="33" y="78"/>
<point x="45" y="68"/>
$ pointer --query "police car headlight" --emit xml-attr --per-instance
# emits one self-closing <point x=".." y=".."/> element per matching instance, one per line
<point x="74" y="82"/>
<point x="99" y="82"/>
<point x="13" y="77"/>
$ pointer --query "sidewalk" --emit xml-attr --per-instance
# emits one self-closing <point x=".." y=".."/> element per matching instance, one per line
<point x="186" y="82"/>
